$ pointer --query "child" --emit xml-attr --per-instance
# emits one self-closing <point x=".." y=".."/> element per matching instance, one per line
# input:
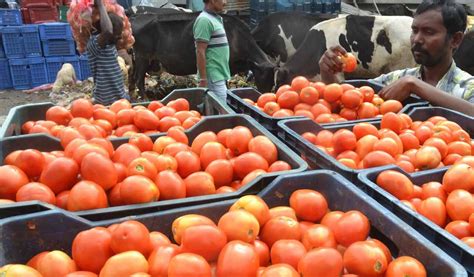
<point x="102" y="54"/>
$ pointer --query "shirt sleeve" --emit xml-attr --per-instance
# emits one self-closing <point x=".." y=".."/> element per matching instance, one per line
<point x="202" y="29"/>
<point x="93" y="47"/>
<point x="468" y="94"/>
<point x="387" y="79"/>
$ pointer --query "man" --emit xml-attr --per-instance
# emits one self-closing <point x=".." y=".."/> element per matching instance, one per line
<point x="102" y="54"/>
<point x="212" y="49"/>
<point x="437" y="31"/>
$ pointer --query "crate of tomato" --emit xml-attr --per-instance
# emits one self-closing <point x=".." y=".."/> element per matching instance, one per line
<point x="262" y="233"/>
<point x="353" y="101"/>
<point x="220" y="157"/>
<point x="436" y="203"/>
<point x="394" y="139"/>
<point x="120" y="115"/>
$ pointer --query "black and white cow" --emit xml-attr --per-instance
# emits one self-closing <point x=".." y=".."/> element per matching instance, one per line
<point x="280" y="34"/>
<point x="380" y="43"/>
<point x="165" y="41"/>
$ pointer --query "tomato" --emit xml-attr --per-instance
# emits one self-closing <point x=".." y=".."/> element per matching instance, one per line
<point x="188" y="264"/>
<point x="131" y="235"/>
<point x="31" y="161"/>
<point x="353" y="226"/>
<point x="318" y="235"/>
<point x="405" y="266"/>
<point x="180" y="224"/>
<point x="308" y="204"/>
<point x="262" y="251"/>
<point x="82" y="108"/>
<point x="11" y="179"/>
<point x="237" y="259"/>
<point x="280" y="227"/>
<point x="60" y="174"/>
<point x="288" y="252"/>
<point x="248" y="162"/>
<point x="138" y="189"/>
<point x="126" y="153"/>
<point x="124" y="264"/>
<point x="349" y="61"/>
<point x="91" y="249"/>
<point x="159" y="259"/>
<point x="396" y="183"/>
<point x="221" y="171"/>
<point x="36" y="191"/>
<point x="56" y="263"/>
<point x="99" y="169"/>
<point x="321" y="262"/>
<point x="239" y="225"/>
<point x="279" y="270"/>
<point x="192" y="241"/>
<point x="238" y="140"/>
<point x="460" y="205"/>
<point x="365" y="259"/>
<point x="142" y="167"/>
<point x="434" y="209"/>
<point x="170" y="185"/>
<point x="86" y="195"/>
<point x="254" y="205"/>
<point x="188" y="163"/>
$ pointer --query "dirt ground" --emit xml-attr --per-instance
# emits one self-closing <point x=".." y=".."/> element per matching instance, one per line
<point x="156" y="87"/>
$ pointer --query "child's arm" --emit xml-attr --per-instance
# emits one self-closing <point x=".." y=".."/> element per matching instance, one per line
<point x="106" y="33"/>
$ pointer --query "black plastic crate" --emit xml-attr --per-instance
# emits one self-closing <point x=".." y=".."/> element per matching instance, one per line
<point x="211" y="123"/>
<point x="56" y="230"/>
<point x="457" y="249"/>
<point x="291" y="132"/>
<point x="236" y="102"/>
<point x="200" y="100"/>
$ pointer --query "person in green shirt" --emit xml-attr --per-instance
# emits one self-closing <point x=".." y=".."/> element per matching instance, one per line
<point x="437" y="31"/>
<point x="212" y="49"/>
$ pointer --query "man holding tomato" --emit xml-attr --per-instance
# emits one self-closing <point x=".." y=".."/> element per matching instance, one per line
<point x="437" y="31"/>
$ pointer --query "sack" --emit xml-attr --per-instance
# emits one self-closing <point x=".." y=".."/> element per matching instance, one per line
<point x="82" y="14"/>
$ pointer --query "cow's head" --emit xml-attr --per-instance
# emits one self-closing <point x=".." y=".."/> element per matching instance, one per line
<point x="281" y="76"/>
<point x="263" y="73"/>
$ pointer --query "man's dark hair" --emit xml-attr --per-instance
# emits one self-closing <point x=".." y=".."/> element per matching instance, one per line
<point x="205" y="1"/>
<point x="454" y="14"/>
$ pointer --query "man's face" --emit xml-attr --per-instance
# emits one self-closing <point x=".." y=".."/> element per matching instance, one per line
<point x="430" y="43"/>
<point x="218" y="5"/>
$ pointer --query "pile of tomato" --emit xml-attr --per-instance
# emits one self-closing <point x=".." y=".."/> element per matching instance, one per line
<point x="324" y="103"/>
<point x="412" y="145"/>
<point x="449" y="203"/>
<point x="250" y="239"/>
<point x="91" y="174"/>
<point x="84" y="120"/>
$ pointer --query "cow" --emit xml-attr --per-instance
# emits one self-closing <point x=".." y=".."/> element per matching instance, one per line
<point x="280" y="34"/>
<point x="380" y="43"/>
<point x="465" y="52"/>
<point x="165" y="41"/>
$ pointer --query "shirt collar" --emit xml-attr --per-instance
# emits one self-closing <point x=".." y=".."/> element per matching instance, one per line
<point x="447" y="77"/>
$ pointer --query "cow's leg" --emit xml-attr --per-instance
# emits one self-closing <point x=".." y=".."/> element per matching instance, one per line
<point x="141" y="66"/>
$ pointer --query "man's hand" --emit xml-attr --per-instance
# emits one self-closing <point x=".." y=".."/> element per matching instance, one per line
<point x="400" y="89"/>
<point x="330" y="62"/>
<point x="203" y="83"/>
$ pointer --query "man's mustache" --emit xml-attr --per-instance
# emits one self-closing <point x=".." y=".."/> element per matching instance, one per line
<point x="418" y="48"/>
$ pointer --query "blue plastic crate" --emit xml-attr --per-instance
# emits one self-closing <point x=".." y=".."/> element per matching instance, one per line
<point x="55" y="30"/>
<point x="453" y="246"/>
<point x="31" y="41"/>
<point x="19" y="69"/>
<point x="10" y="17"/>
<point x="258" y="5"/>
<point x="58" y="47"/>
<point x="53" y="65"/>
<point x="5" y="77"/>
<point x="74" y="61"/>
<point x="256" y="16"/>
<point x="284" y="6"/>
<point x="39" y="75"/>
<point x="2" y="52"/>
<point x="13" y="42"/>
<point x="85" y="69"/>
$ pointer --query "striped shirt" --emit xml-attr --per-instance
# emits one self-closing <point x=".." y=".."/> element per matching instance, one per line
<point x="108" y="80"/>
<point x="209" y="28"/>
<point x="455" y="82"/>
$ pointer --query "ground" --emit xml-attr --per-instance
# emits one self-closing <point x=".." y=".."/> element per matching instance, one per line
<point x="157" y="88"/>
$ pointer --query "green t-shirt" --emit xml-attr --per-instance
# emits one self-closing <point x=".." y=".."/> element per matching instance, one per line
<point x="209" y="28"/>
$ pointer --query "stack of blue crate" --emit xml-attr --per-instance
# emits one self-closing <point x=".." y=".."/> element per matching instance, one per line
<point x="59" y="48"/>
<point x="8" y="17"/>
<point x="259" y="9"/>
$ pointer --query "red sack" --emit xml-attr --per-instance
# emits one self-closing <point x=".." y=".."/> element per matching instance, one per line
<point x="81" y="14"/>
